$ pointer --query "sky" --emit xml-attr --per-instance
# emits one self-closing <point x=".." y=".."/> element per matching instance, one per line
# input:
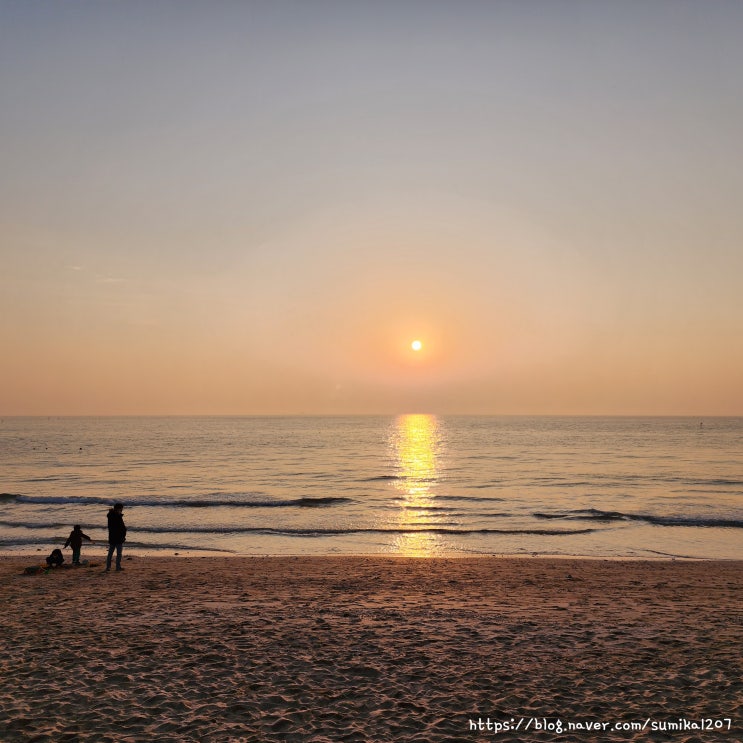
<point x="254" y="207"/>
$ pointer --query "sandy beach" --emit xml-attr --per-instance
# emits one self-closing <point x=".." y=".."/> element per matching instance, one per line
<point x="371" y="649"/>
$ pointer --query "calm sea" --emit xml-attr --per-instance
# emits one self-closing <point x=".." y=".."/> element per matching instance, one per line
<point x="410" y="485"/>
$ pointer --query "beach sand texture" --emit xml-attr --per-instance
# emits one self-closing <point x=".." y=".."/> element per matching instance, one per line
<point x="368" y="649"/>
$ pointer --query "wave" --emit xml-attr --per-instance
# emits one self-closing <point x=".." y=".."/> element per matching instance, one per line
<point x="594" y="514"/>
<point x="393" y="478"/>
<point x="471" y="498"/>
<point x="55" y="542"/>
<point x="209" y="502"/>
<point x="713" y="481"/>
<point x="608" y="481"/>
<point x="44" y="525"/>
<point x="313" y="531"/>
<point x="412" y="506"/>
<point x="320" y="532"/>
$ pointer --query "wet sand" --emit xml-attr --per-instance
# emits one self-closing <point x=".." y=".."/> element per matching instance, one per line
<point x="371" y="649"/>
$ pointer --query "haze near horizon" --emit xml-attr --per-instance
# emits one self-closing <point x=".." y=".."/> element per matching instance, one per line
<point x="258" y="208"/>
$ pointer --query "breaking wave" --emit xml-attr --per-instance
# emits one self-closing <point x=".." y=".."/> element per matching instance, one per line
<point x="594" y="514"/>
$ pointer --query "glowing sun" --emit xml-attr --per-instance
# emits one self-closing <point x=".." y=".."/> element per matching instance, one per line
<point x="416" y="345"/>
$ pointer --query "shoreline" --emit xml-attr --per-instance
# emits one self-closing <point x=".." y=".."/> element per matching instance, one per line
<point x="185" y="554"/>
<point x="367" y="648"/>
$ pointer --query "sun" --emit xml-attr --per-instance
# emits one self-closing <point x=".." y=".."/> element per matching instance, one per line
<point x="416" y="345"/>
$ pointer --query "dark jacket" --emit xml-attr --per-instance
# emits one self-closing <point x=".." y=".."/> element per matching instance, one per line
<point x="56" y="558"/>
<point x="116" y="528"/>
<point x="75" y="540"/>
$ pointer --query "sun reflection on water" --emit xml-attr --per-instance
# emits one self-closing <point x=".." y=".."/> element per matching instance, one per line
<point x="415" y="441"/>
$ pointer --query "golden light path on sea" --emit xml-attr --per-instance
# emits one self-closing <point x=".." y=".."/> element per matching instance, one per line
<point x="415" y="443"/>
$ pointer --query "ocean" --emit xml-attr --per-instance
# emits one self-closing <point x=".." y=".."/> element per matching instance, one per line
<point x="417" y="485"/>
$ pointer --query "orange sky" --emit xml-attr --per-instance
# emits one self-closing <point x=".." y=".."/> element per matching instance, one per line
<point x="254" y="209"/>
